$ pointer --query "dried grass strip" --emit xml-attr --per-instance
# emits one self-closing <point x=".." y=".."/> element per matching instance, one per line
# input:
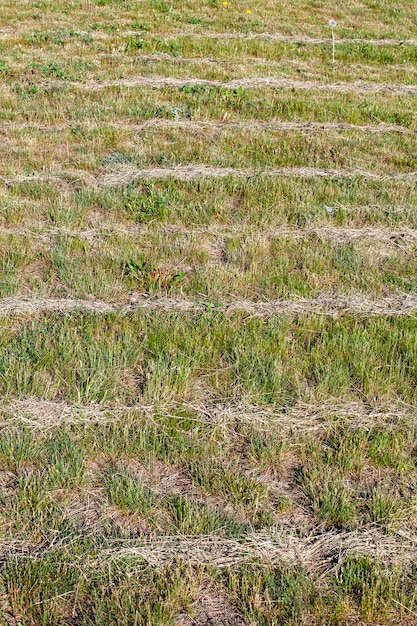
<point x="276" y="37"/>
<point x="400" y="238"/>
<point x="317" y="553"/>
<point x="260" y="82"/>
<point x="40" y="414"/>
<point x="125" y="175"/>
<point x="326" y="304"/>
<point x="320" y="552"/>
<point x="204" y="125"/>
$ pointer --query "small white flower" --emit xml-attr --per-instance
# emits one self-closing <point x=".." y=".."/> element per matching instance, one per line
<point x="329" y="210"/>
<point x="332" y="23"/>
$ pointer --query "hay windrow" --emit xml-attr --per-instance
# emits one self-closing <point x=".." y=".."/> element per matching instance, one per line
<point x="37" y="413"/>
<point x="326" y="304"/>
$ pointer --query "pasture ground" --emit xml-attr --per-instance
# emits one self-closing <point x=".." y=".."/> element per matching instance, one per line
<point x="208" y="345"/>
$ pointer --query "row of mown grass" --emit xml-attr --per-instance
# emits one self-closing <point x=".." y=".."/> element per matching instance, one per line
<point x="181" y="475"/>
<point x="258" y="203"/>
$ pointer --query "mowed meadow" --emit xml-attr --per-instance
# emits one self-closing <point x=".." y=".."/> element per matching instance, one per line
<point x="208" y="301"/>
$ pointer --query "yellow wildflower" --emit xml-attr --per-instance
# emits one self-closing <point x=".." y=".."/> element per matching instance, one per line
<point x="248" y="11"/>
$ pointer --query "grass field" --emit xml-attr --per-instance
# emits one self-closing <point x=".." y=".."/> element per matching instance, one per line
<point x="208" y="299"/>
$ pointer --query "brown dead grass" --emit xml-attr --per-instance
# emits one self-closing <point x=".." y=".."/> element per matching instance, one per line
<point x="314" y="552"/>
<point x="17" y="35"/>
<point x="211" y="607"/>
<point x="389" y="236"/>
<point x="202" y="125"/>
<point x="256" y="82"/>
<point x="42" y="414"/>
<point x="326" y="304"/>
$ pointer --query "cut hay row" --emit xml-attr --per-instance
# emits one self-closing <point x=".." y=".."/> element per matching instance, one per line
<point x="256" y="82"/>
<point x="326" y="304"/>
<point x="39" y="414"/>
<point x="318" y="553"/>
<point x="276" y="37"/>
<point x="279" y="125"/>
<point x="203" y="125"/>
<point x="294" y="39"/>
<point x="125" y="175"/>
<point x="315" y="553"/>
<point x="388" y="236"/>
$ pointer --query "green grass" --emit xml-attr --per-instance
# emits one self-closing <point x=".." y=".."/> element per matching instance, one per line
<point x="87" y="358"/>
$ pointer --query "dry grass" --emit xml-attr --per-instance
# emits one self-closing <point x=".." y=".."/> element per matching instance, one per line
<point x="326" y="304"/>
<point x="313" y="553"/>
<point x="260" y="82"/>
<point x="36" y="413"/>
<point x="125" y="175"/>
<point x="389" y="236"/>
<point x="268" y="36"/>
<point x="222" y="125"/>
